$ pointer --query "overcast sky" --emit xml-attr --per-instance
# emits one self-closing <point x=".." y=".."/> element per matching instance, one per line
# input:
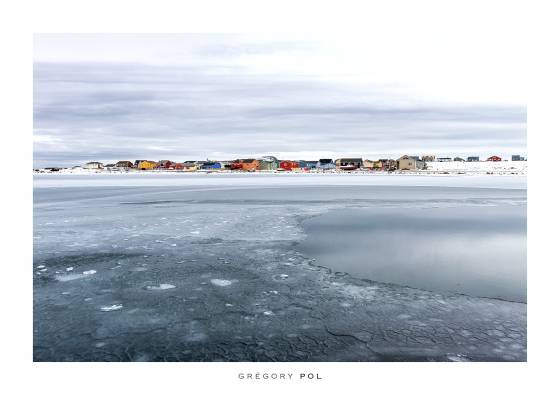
<point x="183" y="97"/>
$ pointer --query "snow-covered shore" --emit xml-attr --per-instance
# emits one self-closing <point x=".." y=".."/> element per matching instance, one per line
<point x="432" y="168"/>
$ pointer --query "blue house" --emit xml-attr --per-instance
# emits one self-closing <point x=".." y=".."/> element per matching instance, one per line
<point x="211" y="165"/>
<point x="306" y="164"/>
<point x="325" y="164"/>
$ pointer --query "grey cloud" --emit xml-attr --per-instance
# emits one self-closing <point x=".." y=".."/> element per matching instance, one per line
<point x="86" y="111"/>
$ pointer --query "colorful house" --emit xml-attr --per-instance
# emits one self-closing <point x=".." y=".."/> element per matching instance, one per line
<point x="268" y="163"/>
<point x="307" y="165"/>
<point x="236" y="165"/>
<point x="137" y="162"/>
<point x="164" y="164"/>
<point x="177" y="166"/>
<point x="124" y="164"/>
<point x="249" y="164"/>
<point x="147" y="165"/>
<point x="190" y="165"/>
<point x="211" y="165"/>
<point x="288" y="165"/>
<point x="348" y="163"/>
<point x="494" y="158"/>
<point x="325" y="164"/>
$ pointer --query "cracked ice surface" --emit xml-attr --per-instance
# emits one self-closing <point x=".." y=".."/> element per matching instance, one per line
<point x="197" y="273"/>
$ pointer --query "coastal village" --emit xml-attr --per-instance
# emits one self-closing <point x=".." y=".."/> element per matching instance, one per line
<point x="406" y="163"/>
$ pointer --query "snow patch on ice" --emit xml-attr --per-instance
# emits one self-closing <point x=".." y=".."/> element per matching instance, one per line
<point x="111" y="308"/>
<point x="220" y="282"/>
<point x="160" y="287"/>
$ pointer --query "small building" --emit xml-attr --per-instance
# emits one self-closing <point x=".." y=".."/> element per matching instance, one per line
<point x="137" y="162"/>
<point x="177" y="166"/>
<point x="494" y="158"/>
<point x="368" y="164"/>
<point x="444" y="159"/>
<point x="406" y="162"/>
<point x="124" y="164"/>
<point x="325" y="164"/>
<point x="211" y="165"/>
<point x="288" y="165"/>
<point x="190" y="165"/>
<point x="147" y="165"/>
<point x="307" y="164"/>
<point x="428" y="158"/>
<point x="236" y="165"/>
<point x="473" y="159"/>
<point x="388" y="164"/>
<point x="348" y="163"/>
<point x="164" y="164"/>
<point x="249" y="164"/>
<point x="269" y="163"/>
<point x="93" y="165"/>
<point x="226" y="164"/>
<point x="517" y="158"/>
<point x="458" y="159"/>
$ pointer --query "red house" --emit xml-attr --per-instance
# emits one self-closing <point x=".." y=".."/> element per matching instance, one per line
<point x="177" y="166"/>
<point x="494" y="158"/>
<point x="289" y="165"/>
<point x="164" y="164"/>
<point x="236" y="165"/>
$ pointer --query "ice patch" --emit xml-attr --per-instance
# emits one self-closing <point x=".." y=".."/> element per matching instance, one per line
<point x="220" y="283"/>
<point x="268" y="312"/>
<point x="69" y="269"/>
<point x="69" y="277"/>
<point x="41" y="267"/>
<point x="111" y="308"/>
<point x="89" y="272"/>
<point x="195" y="232"/>
<point x="160" y="287"/>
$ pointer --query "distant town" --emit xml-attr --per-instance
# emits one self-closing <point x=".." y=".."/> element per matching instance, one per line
<point x="271" y="163"/>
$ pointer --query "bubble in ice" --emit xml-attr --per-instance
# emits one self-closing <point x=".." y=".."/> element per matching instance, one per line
<point x="89" y="272"/>
<point x="69" y="269"/>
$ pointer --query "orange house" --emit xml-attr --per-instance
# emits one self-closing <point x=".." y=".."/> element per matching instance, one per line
<point x="249" y="164"/>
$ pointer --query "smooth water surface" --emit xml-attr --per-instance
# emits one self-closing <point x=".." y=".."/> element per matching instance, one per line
<point x="476" y="250"/>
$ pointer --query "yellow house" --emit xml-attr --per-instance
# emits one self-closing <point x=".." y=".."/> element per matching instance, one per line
<point x="147" y="165"/>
